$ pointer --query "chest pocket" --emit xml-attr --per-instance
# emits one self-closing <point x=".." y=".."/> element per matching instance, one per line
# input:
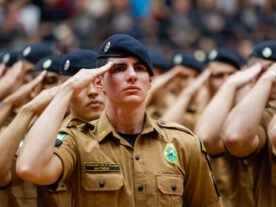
<point x="101" y="189"/>
<point x="170" y="190"/>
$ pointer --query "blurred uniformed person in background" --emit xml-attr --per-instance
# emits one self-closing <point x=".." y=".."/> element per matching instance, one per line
<point x="125" y="158"/>
<point x="159" y="62"/>
<point x="8" y="73"/>
<point x="18" y="192"/>
<point x="167" y="87"/>
<point x="22" y="75"/>
<point x="88" y="105"/>
<point x="249" y="129"/>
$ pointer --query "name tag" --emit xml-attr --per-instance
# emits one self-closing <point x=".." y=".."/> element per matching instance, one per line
<point x="101" y="167"/>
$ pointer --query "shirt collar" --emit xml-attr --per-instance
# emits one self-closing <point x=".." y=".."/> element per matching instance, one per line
<point x="104" y="127"/>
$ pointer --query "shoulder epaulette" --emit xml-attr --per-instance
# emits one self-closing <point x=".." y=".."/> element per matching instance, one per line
<point x="173" y="125"/>
<point x="76" y="122"/>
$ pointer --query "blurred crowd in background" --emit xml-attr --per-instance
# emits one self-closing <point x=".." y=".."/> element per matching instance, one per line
<point x="166" y="25"/>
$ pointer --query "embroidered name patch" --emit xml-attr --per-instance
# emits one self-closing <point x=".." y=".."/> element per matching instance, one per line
<point x="101" y="167"/>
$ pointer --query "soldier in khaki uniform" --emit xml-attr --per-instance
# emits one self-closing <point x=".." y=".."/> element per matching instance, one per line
<point x="17" y="192"/>
<point x="248" y="131"/>
<point x="124" y="158"/>
<point x="186" y="69"/>
<point x="230" y="173"/>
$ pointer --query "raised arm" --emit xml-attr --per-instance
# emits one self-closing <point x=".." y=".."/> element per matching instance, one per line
<point x="16" y="130"/>
<point x="209" y="126"/>
<point x="16" y="99"/>
<point x="160" y="83"/>
<point x="176" y="111"/>
<point x="10" y="79"/>
<point x="39" y="164"/>
<point x="240" y="129"/>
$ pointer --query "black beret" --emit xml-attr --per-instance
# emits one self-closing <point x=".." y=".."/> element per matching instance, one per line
<point x="34" y="52"/>
<point x="121" y="45"/>
<point x="77" y="60"/>
<point x="225" y="55"/>
<point x="188" y="60"/>
<point x="9" y="57"/>
<point x="265" y="50"/>
<point x="158" y="60"/>
<point x="49" y="63"/>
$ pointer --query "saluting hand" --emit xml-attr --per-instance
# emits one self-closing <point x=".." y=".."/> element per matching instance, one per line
<point x="41" y="101"/>
<point x="17" y="98"/>
<point x="84" y="77"/>
<point x="271" y="73"/>
<point x="243" y="77"/>
<point x="196" y="84"/>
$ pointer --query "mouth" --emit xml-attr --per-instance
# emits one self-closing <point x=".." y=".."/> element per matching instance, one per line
<point x="94" y="104"/>
<point x="132" y="89"/>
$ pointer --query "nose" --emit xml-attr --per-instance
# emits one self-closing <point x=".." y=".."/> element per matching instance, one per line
<point x="131" y="75"/>
<point x="92" y="92"/>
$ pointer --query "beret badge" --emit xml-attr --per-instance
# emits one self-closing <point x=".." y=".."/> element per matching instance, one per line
<point x="213" y="54"/>
<point x="6" y="58"/>
<point x="47" y="64"/>
<point x="67" y="65"/>
<point x="27" y="51"/>
<point x="267" y="52"/>
<point x="107" y="46"/>
<point x="177" y="59"/>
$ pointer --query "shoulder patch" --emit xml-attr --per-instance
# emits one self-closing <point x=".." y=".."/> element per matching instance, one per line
<point x="173" y="125"/>
<point x="60" y="137"/>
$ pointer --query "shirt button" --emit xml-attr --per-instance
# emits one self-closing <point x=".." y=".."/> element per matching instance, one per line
<point x="173" y="187"/>
<point x="137" y="157"/>
<point x="62" y="185"/>
<point x="140" y="187"/>
<point x="102" y="184"/>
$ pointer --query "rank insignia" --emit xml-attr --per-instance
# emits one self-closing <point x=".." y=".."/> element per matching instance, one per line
<point x="170" y="153"/>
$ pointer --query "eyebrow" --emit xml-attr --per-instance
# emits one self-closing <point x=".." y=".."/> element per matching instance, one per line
<point x="123" y="64"/>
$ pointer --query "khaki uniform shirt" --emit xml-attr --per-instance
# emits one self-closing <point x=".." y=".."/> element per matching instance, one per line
<point x="262" y="164"/>
<point x="234" y="181"/>
<point x="166" y="167"/>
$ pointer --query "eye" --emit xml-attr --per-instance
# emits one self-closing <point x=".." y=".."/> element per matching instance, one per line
<point x="184" y="76"/>
<point x="218" y="75"/>
<point x="140" y="68"/>
<point x="50" y="80"/>
<point x="118" y="68"/>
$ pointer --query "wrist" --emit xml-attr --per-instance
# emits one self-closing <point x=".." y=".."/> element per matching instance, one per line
<point x="7" y="102"/>
<point x="27" y="109"/>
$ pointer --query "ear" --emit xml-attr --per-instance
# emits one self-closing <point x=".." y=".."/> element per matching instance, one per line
<point x="98" y="82"/>
<point x="150" y="82"/>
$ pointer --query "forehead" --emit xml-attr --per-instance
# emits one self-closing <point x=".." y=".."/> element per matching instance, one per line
<point x="265" y="62"/>
<point x="221" y="67"/>
<point x="27" y="64"/>
<point x="126" y="60"/>
<point x="187" y="70"/>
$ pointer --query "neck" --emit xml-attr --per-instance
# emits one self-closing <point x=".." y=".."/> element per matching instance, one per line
<point x="126" y="120"/>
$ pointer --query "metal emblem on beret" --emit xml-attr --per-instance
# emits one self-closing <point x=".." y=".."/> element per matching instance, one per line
<point x="213" y="54"/>
<point x="27" y="51"/>
<point x="170" y="153"/>
<point x="67" y="65"/>
<point x="6" y="58"/>
<point x="267" y="52"/>
<point x="177" y="59"/>
<point x="200" y="55"/>
<point x="47" y="63"/>
<point x="107" y="46"/>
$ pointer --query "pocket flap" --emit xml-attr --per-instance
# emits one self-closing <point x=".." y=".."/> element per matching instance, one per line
<point x="170" y="184"/>
<point x="102" y="181"/>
